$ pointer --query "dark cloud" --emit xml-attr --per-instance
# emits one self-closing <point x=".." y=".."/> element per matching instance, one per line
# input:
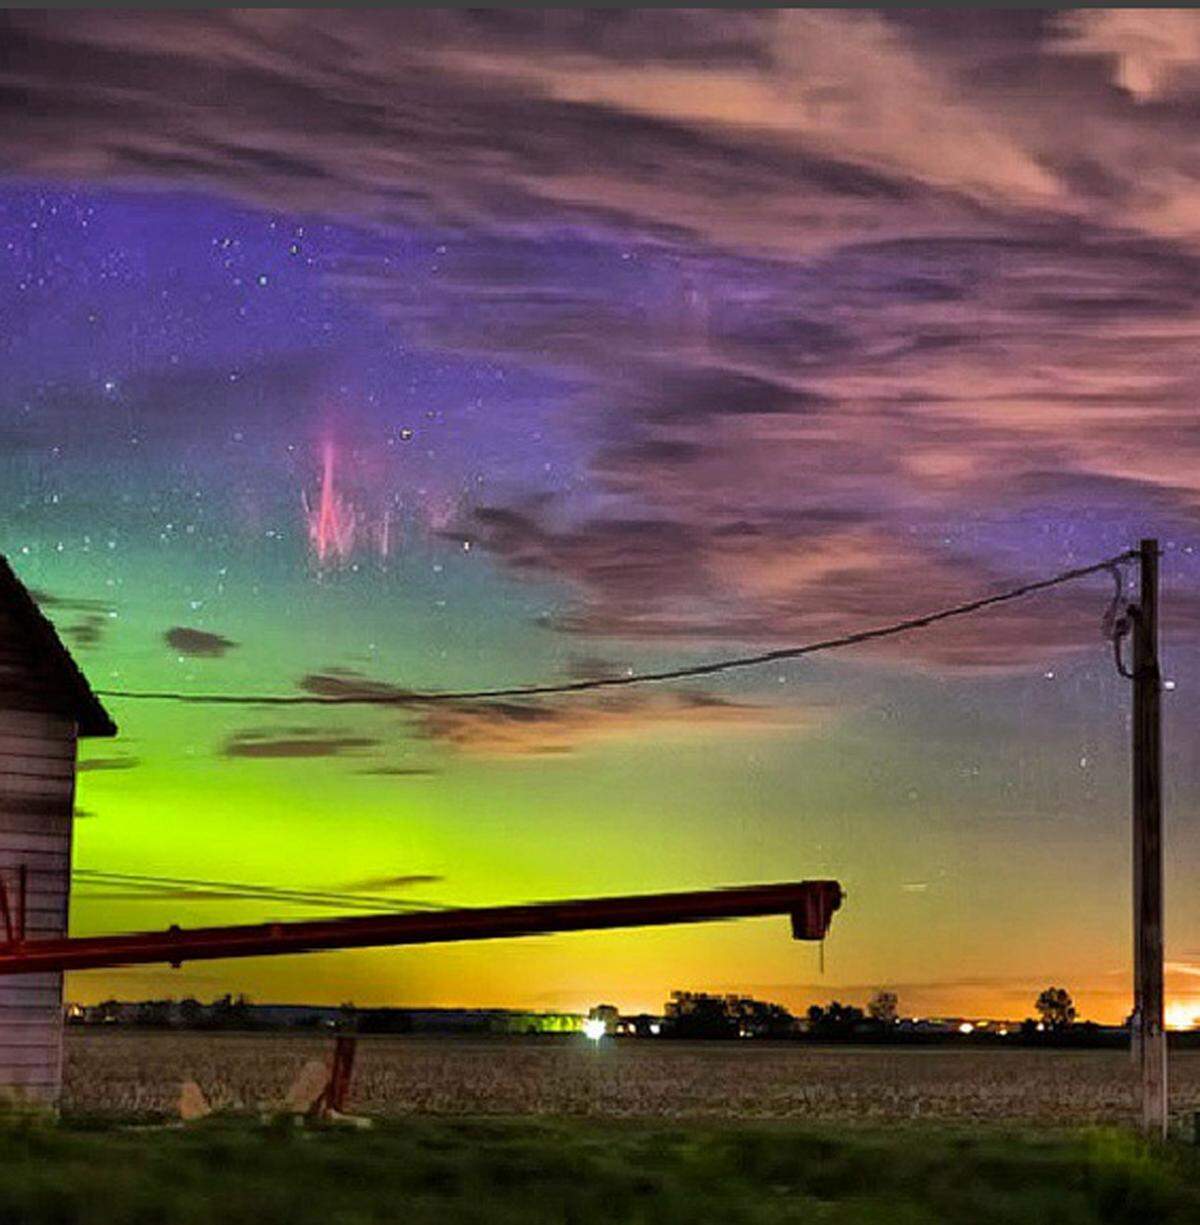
<point x="346" y="683"/>
<point x="87" y="629"/>
<point x="85" y="632"/>
<point x="267" y="742"/>
<point x="56" y="603"/>
<point x="376" y="884"/>
<point x="197" y="643"/>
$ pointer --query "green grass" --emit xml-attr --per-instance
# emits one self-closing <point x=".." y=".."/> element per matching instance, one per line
<point x="230" y="1172"/>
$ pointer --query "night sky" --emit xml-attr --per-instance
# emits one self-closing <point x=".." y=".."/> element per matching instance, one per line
<point x="448" y="350"/>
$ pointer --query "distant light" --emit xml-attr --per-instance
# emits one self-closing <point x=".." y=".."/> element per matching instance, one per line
<point x="1182" y="1014"/>
<point x="594" y="1028"/>
<point x="1168" y="684"/>
<point x="966" y="1028"/>
<point x="655" y="1028"/>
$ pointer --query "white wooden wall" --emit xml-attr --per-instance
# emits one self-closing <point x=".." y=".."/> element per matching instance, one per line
<point x="37" y="792"/>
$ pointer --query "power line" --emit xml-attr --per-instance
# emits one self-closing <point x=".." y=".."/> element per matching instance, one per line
<point x="127" y="886"/>
<point x="395" y="696"/>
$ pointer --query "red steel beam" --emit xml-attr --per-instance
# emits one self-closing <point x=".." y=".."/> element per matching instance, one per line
<point x="809" y="903"/>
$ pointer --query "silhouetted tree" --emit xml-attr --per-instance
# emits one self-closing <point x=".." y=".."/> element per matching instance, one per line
<point x="229" y="1013"/>
<point x="836" y="1021"/>
<point x="700" y="1016"/>
<point x="155" y="1014"/>
<point x="884" y="1007"/>
<point x="191" y="1013"/>
<point x="758" y="1019"/>
<point x="693" y="1014"/>
<point x="1056" y="1008"/>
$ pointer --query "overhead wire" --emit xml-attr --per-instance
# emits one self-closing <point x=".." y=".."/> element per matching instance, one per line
<point x="398" y="697"/>
<point x="144" y="887"/>
<point x="1115" y="625"/>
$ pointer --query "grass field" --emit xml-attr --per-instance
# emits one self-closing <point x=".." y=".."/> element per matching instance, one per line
<point x="577" y="1172"/>
<point x="139" y="1073"/>
<point x="557" y="1132"/>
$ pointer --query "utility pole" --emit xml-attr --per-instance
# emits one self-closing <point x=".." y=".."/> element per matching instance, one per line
<point x="1149" y="1039"/>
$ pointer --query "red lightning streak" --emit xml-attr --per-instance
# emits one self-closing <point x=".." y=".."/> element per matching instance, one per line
<point x="331" y="524"/>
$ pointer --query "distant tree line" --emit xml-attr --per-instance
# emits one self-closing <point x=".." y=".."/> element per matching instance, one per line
<point x="691" y="1015"/>
<point x="225" y="1012"/>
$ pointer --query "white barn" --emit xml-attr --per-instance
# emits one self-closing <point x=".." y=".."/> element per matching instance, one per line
<point x="46" y="705"/>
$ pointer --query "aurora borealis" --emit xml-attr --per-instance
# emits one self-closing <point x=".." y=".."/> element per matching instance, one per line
<point x="447" y="349"/>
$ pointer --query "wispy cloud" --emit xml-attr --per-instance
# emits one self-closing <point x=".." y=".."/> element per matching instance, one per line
<point x="270" y="743"/>
<point x="531" y="727"/>
<point x="845" y="301"/>
<point x="92" y="618"/>
<point x="378" y="884"/>
<point x="399" y="772"/>
<point x="88" y="764"/>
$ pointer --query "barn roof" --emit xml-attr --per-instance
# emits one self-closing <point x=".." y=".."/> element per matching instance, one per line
<point x="66" y="686"/>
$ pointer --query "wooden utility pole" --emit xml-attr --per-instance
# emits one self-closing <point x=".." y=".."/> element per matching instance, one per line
<point x="1150" y="1044"/>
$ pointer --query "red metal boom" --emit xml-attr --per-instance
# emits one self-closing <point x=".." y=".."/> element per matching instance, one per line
<point x="810" y="903"/>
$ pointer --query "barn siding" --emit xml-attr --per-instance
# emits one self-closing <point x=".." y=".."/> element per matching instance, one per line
<point x="37" y="791"/>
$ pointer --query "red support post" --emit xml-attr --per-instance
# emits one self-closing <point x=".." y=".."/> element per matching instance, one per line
<point x="341" y="1070"/>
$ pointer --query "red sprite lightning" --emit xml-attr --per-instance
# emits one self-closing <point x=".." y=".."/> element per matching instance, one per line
<point x="337" y="526"/>
<point x="332" y="523"/>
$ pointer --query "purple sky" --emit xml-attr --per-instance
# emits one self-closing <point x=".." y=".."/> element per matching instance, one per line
<point x="635" y="336"/>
